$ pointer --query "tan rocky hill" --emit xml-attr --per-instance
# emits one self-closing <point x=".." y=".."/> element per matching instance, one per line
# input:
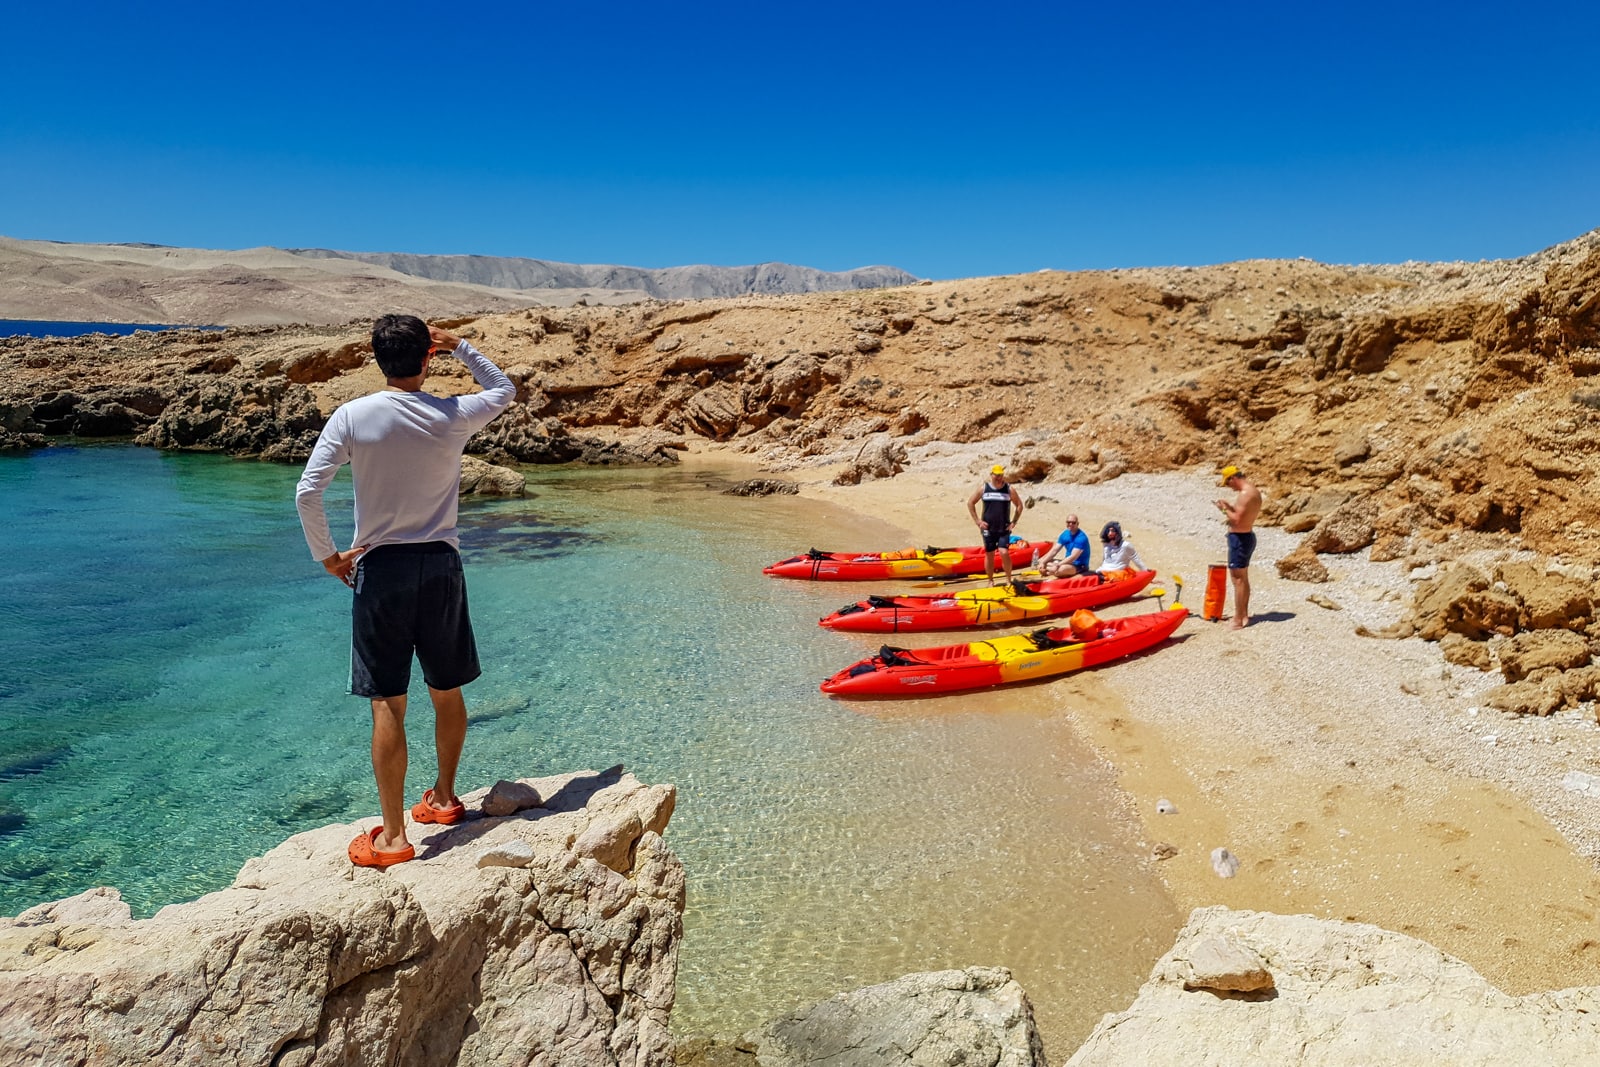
<point x="1443" y="397"/>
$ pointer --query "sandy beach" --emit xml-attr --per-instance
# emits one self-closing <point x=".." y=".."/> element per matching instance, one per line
<point x="1354" y="778"/>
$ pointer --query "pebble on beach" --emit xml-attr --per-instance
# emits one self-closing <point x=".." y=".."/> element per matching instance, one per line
<point x="1225" y="863"/>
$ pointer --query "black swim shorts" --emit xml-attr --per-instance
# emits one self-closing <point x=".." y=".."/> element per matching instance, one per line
<point x="995" y="539"/>
<point x="410" y="600"/>
<point x="1241" y="546"/>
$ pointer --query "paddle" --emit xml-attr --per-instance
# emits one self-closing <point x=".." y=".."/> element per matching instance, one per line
<point x="1177" y="582"/>
<point x="940" y="582"/>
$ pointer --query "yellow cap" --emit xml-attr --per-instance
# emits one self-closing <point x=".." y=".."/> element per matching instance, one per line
<point x="1228" y="472"/>
<point x="998" y="468"/>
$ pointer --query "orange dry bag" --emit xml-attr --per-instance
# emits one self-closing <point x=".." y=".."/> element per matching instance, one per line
<point x="1085" y="624"/>
<point x="1216" y="592"/>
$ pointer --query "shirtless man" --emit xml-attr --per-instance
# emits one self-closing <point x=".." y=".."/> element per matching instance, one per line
<point x="1241" y="512"/>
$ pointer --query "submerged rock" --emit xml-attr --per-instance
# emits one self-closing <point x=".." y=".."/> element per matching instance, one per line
<point x="979" y="1015"/>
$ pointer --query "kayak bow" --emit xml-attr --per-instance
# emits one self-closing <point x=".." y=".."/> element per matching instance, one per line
<point x="898" y="672"/>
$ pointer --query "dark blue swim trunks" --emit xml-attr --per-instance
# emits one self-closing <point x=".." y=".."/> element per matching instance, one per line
<point x="1241" y="546"/>
<point x="411" y="599"/>
<point x="994" y="539"/>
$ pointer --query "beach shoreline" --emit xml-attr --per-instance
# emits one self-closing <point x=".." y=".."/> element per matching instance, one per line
<point x="1354" y="778"/>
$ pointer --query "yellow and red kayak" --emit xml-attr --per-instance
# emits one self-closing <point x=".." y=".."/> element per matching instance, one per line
<point x="899" y="672"/>
<point x="1017" y="602"/>
<point x="818" y="566"/>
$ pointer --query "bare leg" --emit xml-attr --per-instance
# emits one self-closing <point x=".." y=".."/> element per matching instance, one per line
<point x="988" y="564"/>
<point x="1007" y="557"/>
<point x="449" y="735"/>
<point x="1241" y="597"/>
<point x="389" y="768"/>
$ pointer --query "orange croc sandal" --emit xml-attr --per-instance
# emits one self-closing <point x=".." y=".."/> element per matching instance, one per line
<point x="426" y="812"/>
<point x="364" y="851"/>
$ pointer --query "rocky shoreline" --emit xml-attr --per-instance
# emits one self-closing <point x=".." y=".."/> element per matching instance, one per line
<point x="545" y="929"/>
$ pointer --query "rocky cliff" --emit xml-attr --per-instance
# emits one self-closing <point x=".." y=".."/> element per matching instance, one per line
<point x="542" y="930"/>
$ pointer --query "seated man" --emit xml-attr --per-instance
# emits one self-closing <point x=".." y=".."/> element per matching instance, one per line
<point x="1074" y="543"/>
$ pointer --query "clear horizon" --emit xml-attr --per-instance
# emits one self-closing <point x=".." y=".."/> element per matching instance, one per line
<point x="937" y="139"/>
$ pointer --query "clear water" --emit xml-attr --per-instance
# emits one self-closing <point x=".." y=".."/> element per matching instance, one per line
<point x="173" y="703"/>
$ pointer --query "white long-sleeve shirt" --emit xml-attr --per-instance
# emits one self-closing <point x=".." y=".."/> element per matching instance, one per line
<point x="404" y="451"/>
<point x="1120" y="556"/>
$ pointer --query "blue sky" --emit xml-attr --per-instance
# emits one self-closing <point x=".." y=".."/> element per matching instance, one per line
<point x="950" y="140"/>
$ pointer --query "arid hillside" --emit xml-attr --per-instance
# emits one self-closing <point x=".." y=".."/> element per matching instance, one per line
<point x="1438" y="397"/>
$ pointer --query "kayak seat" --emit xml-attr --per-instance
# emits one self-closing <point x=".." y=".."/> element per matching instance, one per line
<point x="1042" y="641"/>
<point x="862" y="668"/>
<point x="879" y="602"/>
<point x="850" y="609"/>
<point x="816" y="554"/>
<point x="895" y="657"/>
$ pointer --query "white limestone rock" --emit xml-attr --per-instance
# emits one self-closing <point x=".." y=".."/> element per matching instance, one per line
<point x="1223" y="964"/>
<point x="508" y="798"/>
<point x="101" y="906"/>
<point x="308" y="960"/>
<point x="508" y="854"/>
<point x="1343" y="995"/>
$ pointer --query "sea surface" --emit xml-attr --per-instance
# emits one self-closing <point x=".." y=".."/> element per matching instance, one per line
<point x="44" y="328"/>
<point x="173" y="701"/>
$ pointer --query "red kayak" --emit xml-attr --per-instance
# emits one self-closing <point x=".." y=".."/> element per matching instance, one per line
<point x="899" y="672"/>
<point x="817" y="566"/>
<point x="1017" y="602"/>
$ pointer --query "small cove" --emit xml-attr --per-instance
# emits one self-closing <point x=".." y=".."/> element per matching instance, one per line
<point x="174" y="704"/>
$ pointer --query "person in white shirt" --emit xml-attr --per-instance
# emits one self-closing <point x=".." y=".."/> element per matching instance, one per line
<point x="404" y="448"/>
<point x="1119" y="553"/>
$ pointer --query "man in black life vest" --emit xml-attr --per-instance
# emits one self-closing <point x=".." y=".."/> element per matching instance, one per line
<point x="998" y="497"/>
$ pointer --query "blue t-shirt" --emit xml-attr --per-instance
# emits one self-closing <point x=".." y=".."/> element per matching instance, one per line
<point x="1071" y="539"/>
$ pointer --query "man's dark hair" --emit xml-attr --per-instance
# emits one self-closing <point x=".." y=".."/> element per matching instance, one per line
<point x="400" y="344"/>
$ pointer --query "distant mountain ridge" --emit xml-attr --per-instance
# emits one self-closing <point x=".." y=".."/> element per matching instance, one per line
<point x="666" y="283"/>
<point x="60" y="281"/>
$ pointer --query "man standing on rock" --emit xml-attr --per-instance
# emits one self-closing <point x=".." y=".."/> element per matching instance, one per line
<point x="1241" y="512"/>
<point x="999" y="497"/>
<point x="404" y="448"/>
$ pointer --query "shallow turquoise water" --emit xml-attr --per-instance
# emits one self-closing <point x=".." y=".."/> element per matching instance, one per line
<point x="173" y="703"/>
